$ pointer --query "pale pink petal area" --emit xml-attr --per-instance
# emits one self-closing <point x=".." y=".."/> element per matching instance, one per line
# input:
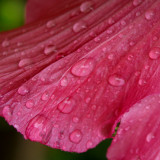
<point x="138" y="135"/>
<point x="67" y="84"/>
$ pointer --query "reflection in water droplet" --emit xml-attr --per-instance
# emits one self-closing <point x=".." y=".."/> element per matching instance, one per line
<point x="23" y="90"/>
<point x="154" y="53"/>
<point x="76" y="136"/>
<point x="83" y="68"/>
<point x="116" y="80"/>
<point x="7" y="113"/>
<point x="67" y="105"/>
<point x="39" y="129"/>
<point x="86" y="6"/>
<point x="77" y="27"/>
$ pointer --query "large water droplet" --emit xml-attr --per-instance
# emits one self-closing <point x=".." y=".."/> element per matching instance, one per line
<point x="29" y="104"/>
<point x="50" y="49"/>
<point x="77" y="27"/>
<point x="67" y="105"/>
<point x="116" y="80"/>
<point x="24" y="62"/>
<point x="7" y="113"/>
<point x="23" y="90"/>
<point x="136" y="2"/>
<point x="149" y="137"/>
<point x="64" y="82"/>
<point x="149" y="14"/>
<point x="154" y="53"/>
<point x="83" y="68"/>
<point x="39" y="129"/>
<point x="76" y="136"/>
<point x="86" y="6"/>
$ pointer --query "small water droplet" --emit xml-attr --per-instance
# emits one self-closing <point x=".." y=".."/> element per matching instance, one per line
<point x="94" y="107"/>
<point x="45" y="96"/>
<point x="22" y="90"/>
<point x="7" y="113"/>
<point x="77" y="27"/>
<point x="154" y="53"/>
<point x="136" y="2"/>
<point x="50" y="24"/>
<point x="86" y="6"/>
<point x="5" y="43"/>
<point x="75" y="119"/>
<point x="49" y="49"/>
<point x="149" y="137"/>
<point x="97" y="39"/>
<point x="148" y="107"/>
<point x="116" y="80"/>
<point x="39" y="129"/>
<point x="67" y="105"/>
<point x="88" y="100"/>
<point x="83" y="68"/>
<point x="29" y="104"/>
<point x="89" y="144"/>
<point x="149" y="14"/>
<point x="111" y="21"/>
<point x="110" y="56"/>
<point x="64" y="82"/>
<point x="142" y="82"/>
<point x="24" y="62"/>
<point x="76" y="136"/>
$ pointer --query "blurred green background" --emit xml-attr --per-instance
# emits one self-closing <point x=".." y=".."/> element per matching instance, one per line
<point x="12" y="144"/>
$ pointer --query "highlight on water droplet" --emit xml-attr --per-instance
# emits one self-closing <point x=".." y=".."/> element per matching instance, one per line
<point x="77" y="27"/>
<point x="24" y="62"/>
<point x="116" y="80"/>
<point x="39" y="129"/>
<point x="76" y="136"/>
<point x="86" y="6"/>
<point x="49" y="49"/>
<point x="29" y="104"/>
<point x="23" y="90"/>
<point x="67" y="105"/>
<point x="7" y="114"/>
<point x="83" y="68"/>
<point x="64" y="82"/>
<point x="154" y="53"/>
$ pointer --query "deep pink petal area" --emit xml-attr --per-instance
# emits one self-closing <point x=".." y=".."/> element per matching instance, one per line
<point x="67" y="84"/>
<point x="138" y="134"/>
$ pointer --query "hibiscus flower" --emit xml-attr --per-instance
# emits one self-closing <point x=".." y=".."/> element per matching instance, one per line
<point x="76" y="69"/>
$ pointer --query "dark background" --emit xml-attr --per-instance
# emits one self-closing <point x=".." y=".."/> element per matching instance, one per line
<point x="12" y="144"/>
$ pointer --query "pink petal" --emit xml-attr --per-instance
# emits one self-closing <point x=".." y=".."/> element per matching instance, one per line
<point x="138" y="134"/>
<point x="67" y="85"/>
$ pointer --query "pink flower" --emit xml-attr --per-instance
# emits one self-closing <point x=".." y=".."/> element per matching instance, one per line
<point x="77" y="68"/>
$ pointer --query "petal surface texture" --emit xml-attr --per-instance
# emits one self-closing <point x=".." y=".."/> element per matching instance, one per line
<point x="67" y="79"/>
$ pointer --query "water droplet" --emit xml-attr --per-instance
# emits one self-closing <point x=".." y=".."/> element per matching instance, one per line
<point x="88" y="100"/>
<point x="50" y="24"/>
<point x="24" y="62"/>
<point x="149" y="137"/>
<point x="154" y="53"/>
<point x="97" y="39"/>
<point x="142" y="82"/>
<point x="116" y="80"/>
<point x="149" y="14"/>
<point x="64" y="82"/>
<point x="136" y="2"/>
<point x="89" y="144"/>
<point x="77" y="27"/>
<point x="110" y="56"/>
<point x="29" y="104"/>
<point x="75" y="119"/>
<point x="5" y="43"/>
<point x="67" y="105"/>
<point x="7" y="113"/>
<point x="83" y="68"/>
<point x="94" y="107"/>
<point x="23" y="90"/>
<point x="45" y="96"/>
<point x="111" y="21"/>
<point x="50" y="49"/>
<point x="76" y="136"/>
<point x="86" y="6"/>
<point x="39" y="129"/>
